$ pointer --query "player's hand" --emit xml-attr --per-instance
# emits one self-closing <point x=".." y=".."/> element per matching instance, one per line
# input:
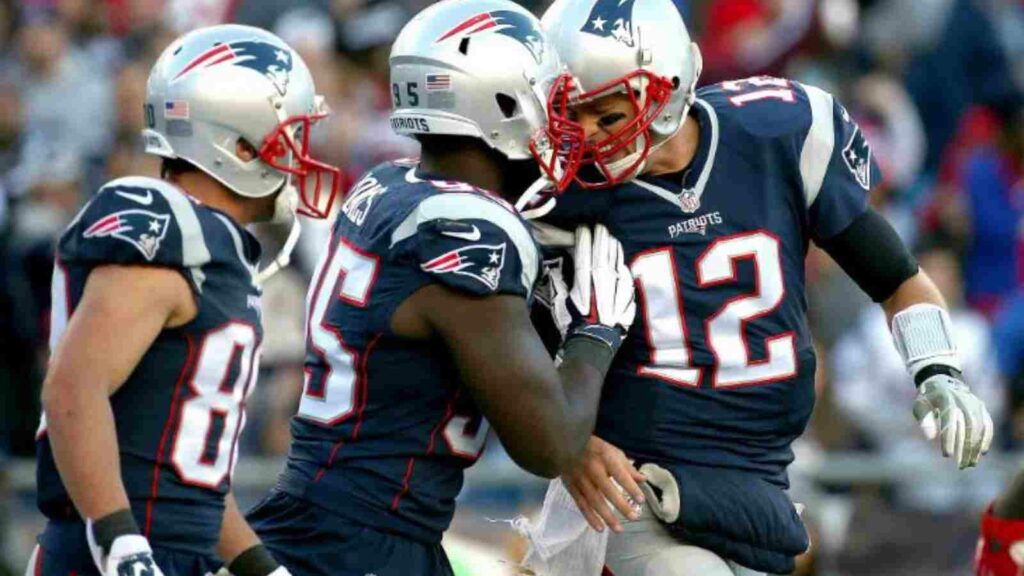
<point x="129" y="554"/>
<point x="605" y="477"/>
<point x="602" y="302"/>
<point x="946" y="408"/>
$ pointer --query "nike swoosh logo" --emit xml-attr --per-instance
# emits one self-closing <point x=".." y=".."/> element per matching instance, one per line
<point x="469" y="236"/>
<point x="145" y="200"/>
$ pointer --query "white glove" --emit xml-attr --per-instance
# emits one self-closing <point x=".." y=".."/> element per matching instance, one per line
<point x="602" y="302"/>
<point x="946" y="408"/>
<point x="130" y="555"/>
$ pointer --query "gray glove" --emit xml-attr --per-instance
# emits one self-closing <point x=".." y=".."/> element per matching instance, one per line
<point x="946" y="408"/>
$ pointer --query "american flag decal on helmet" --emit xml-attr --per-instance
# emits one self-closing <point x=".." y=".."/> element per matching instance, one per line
<point x="272" y="61"/>
<point x="140" y="228"/>
<point x="479" y="261"/>
<point x="509" y="23"/>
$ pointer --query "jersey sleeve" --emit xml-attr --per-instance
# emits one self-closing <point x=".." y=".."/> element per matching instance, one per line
<point x="836" y="166"/>
<point x="469" y="243"/>
<point x="137" y="221"/>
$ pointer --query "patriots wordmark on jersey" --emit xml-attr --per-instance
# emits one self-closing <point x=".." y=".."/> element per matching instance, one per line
<point x="179" y="414"/>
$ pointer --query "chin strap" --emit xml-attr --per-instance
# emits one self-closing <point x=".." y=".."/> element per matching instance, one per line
<point x="529" y="212"/>
<point x="284" y="256"/>
<point x="284" y="209"/>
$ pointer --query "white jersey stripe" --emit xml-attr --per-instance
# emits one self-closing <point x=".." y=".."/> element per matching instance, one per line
<point x="819" y="144"/>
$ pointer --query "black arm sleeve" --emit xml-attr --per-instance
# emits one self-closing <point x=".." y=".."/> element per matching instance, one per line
<point x="871" y="252"/>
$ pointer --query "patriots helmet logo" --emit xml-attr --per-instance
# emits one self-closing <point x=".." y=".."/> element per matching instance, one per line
<point x="857" y="155"/>
<point x="611" y="19"/>
<point x="517" y="26"/>
<point x="479" y="261"/>
<point x="272" y="61"/>
<point x="140" y="228"/>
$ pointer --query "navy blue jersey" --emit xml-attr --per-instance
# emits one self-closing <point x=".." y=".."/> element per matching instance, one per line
<point x="180" y="412"/>
<point x="384" y="429"/>
<point x="718" y="368"/>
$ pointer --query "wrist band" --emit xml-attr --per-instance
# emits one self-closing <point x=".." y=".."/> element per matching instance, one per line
<point x="923" y="334"/>
<point x="113" y="525"/>
<point x="591" y="351"/>
<point x="255" y="561"/>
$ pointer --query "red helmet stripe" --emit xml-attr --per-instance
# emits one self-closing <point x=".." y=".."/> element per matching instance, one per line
<point x="482" y="27"/>
<point x="465" y="25"/>
<point x="223" y="58"/>
<point x="203" y="58"/>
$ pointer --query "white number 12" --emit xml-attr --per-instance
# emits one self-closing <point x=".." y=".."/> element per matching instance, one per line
<point x="662" y="304"/>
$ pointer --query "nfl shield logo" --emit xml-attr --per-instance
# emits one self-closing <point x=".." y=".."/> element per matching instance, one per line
<point x="689" y="201"/>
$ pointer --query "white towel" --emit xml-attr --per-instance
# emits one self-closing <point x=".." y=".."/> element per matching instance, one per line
<point x="561" y="541"/>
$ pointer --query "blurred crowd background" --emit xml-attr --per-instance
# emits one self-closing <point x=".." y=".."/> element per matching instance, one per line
<point x="935" y="84"/>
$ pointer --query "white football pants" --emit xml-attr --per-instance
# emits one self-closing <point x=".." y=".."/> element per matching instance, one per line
<point x="645" y="548"/>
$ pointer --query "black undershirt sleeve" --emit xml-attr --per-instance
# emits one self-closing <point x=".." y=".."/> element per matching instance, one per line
<point x="872" y="254"/>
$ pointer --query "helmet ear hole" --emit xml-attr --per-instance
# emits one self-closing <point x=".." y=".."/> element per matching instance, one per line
<point x="464" y="46"/>
<point x="245" y="150"/>
<point x="676" y="82"/>
<point x="507" y="104"/>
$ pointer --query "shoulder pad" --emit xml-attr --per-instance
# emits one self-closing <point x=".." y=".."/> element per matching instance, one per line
<point x="470" y="242"/>
<point x="136" y="220"/>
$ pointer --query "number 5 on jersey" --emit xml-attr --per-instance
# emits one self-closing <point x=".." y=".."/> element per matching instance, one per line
<point x="348" y="274"/>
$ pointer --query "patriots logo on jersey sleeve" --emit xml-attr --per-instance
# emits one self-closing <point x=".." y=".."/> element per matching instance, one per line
<point x="611" y="19"/>
<point x="517" y="26"/>
<point x="140" y="228"/>
<point x="272" y="61"/>
<point x="479" y="261"/>
<point x="857" y="155"/>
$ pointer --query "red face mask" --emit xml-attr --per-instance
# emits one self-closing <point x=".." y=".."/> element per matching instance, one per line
<point x="600" y="154"/>
<point x="559" y="148"/>
<point x="317" y="183"/>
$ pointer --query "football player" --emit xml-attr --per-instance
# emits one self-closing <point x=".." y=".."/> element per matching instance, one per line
<point x="715" y="195"/>
<point x="155" y="326"/>
<point x="419" y="337"/>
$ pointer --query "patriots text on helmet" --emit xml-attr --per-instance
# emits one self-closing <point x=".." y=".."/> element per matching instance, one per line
<point x="410" y="124"/>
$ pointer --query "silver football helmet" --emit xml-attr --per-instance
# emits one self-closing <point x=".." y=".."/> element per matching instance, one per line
<point x="483" y="69"/>
<point x="637" y="47"/>
<point x="217" y="85"/>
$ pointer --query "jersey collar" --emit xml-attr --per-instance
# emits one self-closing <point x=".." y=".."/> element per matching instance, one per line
<point x="246" y="246"/>
<point x="687" y="191"/>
